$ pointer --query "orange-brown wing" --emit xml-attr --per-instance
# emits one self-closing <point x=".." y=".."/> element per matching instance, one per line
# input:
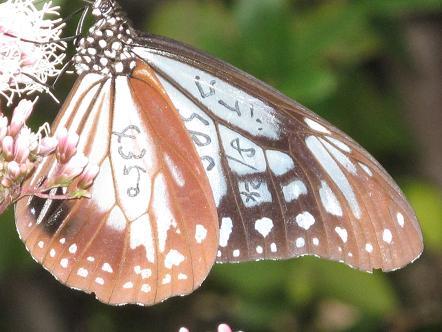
<point x="150" y="229"/>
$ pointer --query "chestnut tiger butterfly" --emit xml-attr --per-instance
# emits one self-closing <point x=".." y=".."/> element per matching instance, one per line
<point x="202" y="163"/>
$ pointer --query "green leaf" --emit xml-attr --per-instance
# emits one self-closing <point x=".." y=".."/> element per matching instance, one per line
<point x="206" y="25"/>
<point x="403" y="7"/>
<point x="426" y="199"/>
<point x="254" y="279"/>
<point x="371" y="293"/>
<point x="13" y="255"/>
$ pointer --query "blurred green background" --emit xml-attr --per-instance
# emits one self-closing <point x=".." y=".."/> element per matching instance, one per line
<point x="373" y="68"/>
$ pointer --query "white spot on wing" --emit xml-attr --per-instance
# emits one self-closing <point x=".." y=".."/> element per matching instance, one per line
<point x="162" y="211"/>
<point x="280" y="163"/>
<point x="335" y="173"/>
<point x="116" y="220"/>
<point x="254" y="194"/>
<point x="46" y="207"/>
<point x="73" y="248"/>
<point x="141" y="235"/>
<point x="174" y="171"/>
<point x="340" y="157"/>
<point x="236" y="253"/>
<point x="344" y="147"/>
<point x="99" y="281"/>
<point x="225" y="231"/>
<point x="200" y="233"/>
<point x="305" y="220"/>
<point x="82" y="272"/>
<point x="104" y="188"/>
<point x="366" y="169"/>
<point x="315" y="241"/>
<point x="264" y="226"/>
<point x="182" y="276"/>
<point x="242" y="163"/>
<point x="342" y="232"/>
<point x="387" y="236"/>
<point x="316" y="126"/>
<point x="259" y="249"/>
<point x="107" y="268"/>
<point x="52" y="253"/>
<point x="293" y="190"/>
<point x="329" y="200"/>
<point x="41" y="244"/>
<point x="400" y="219"/>
<point x="300" y="242"/>
<point x="128" y="285"/>
<point x="167" y="279"/>
<point x="273" y="247"/>
<point x="369" y="247"/>
<point x="64" y="263"/>
<point x="173" y="258"/>
<point x="145" y="273"/>
<point x="145" y="288"/>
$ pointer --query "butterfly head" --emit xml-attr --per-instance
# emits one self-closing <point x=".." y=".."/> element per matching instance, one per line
<point x="106" y="49"/>
<point x="105" y="9"/>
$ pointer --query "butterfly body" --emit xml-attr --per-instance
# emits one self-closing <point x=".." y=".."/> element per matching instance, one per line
<point x="201" y="162"/>
<point x="105" y="49"/>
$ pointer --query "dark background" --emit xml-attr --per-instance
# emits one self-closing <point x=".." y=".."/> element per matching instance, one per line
<point x="373" y="68"/>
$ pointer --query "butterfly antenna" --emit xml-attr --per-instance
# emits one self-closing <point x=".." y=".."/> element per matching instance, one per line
<point x="63" y="71"/>
<point x="47" y="88"/>
<point x="79" y="29"/>
<point x="64" y="39"/>
<point x="70" y="16"/>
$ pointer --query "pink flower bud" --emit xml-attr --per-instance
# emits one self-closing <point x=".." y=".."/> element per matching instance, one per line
<point x="20" y="115"/>
<point x="47" y="145"/>
<point x="8" y="147"/>
<point x="224" y="328"/>
<point x="88" y="176"/>
<point x="67" y="145"/>
<point x="21" y="149"/>
<point x="73" y="168"/>
<point x="26" y="167"/>
<point x="3" y="126"/>
<point x="62" y="136"/>
<point x="6" y="182"/>
<point x="13" y="170"/>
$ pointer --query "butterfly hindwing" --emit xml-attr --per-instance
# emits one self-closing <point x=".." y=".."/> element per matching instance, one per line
<point x="149" y="230"/>
<point x="286" y="183"/>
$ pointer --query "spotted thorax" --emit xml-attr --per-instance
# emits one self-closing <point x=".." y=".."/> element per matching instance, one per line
<point x="105" y="49"/>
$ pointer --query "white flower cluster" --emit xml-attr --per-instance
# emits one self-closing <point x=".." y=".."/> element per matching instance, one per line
<point x="30" y="46"/>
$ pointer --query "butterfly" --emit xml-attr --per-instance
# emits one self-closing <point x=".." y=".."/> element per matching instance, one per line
<point x="202" y="163"/>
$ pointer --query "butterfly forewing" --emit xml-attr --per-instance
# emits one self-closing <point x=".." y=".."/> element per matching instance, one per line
<point x="286" y="183"/>
<point x="149" y="230"/>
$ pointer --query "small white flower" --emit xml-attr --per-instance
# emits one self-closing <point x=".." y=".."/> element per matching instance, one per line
<point x="30" y="47"/>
